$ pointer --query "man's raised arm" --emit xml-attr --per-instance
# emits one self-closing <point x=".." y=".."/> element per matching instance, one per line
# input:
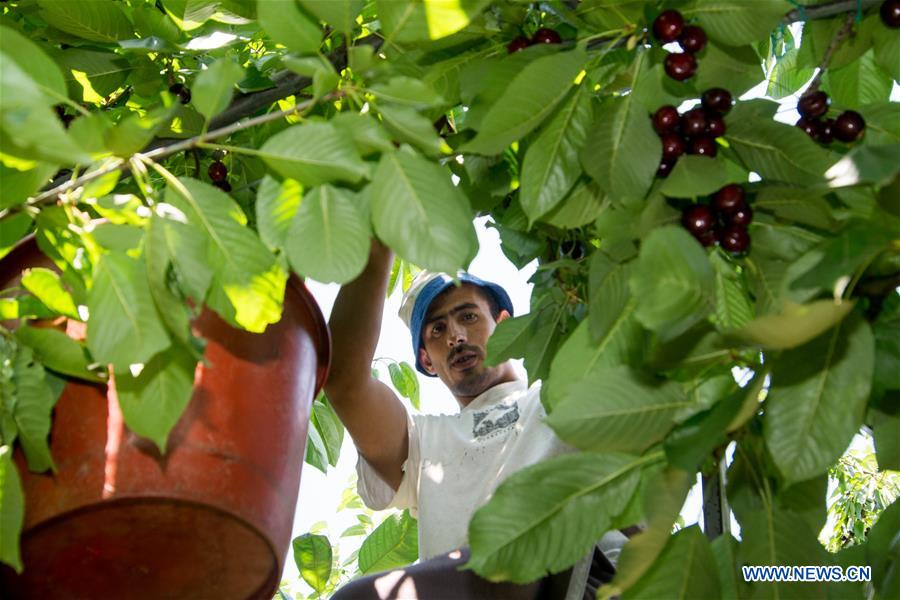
<point x="371" y="412"/>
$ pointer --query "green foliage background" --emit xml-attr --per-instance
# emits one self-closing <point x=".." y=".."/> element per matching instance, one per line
<point x="343" y="119"/>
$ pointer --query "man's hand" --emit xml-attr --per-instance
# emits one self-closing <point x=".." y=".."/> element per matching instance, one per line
<point x="371" y="412"/>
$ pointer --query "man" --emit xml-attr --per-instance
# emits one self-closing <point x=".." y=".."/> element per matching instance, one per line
<point x="442" y="467"/>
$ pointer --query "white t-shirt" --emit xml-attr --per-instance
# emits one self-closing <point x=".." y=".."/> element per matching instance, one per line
<point x="457" y="461"/>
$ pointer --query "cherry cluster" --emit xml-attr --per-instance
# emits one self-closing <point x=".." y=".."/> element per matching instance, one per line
<point x="544" y="35"/>
<point x="182" y="91"/>
<point x="723" y="220"/>
<point x="890" y="13"/>
<point x="848" y="127"/>
<point x="669" y="27"/>
<point x="218" y="172"/>
<point x="695" y="131"/>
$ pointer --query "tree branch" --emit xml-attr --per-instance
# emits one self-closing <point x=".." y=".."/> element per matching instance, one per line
<point x="835" y="43"/>
<point x="827" y="9"/>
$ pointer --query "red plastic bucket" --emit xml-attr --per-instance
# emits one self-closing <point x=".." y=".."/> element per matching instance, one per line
<point x="210" y="519"/>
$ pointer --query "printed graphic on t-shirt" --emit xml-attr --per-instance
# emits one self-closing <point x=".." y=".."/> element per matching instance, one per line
<point x="495" y="419"/>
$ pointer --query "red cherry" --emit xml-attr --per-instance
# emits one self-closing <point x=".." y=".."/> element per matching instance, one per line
<point x="809" y="127"/>
<point x="734" y="239"/>
<point x="693" y="122"/>
<point x="742" y="216"/>
<point x="703" y="146"/>
<point x="729" y="199"/>
<point x="222" y="185"/>
<point x="825" y="131"/>
<point x="849" y="126"/>
<point x="668" y="26"/>
<point x="546" y="36"/>
<point x="890" y="13"/>
<point x="692" y="39"/>
<point x="519" y="43"/>
<point x="665" y="119"/>
<point x="673" y="146"/>
<point x="217" y="171"/>
<point x="698" y="219"/>
<point x="715" y="126"/>
<point x="813" y="105"/>
<point x="717" y="100"/>
<point x="680" y="65"/>
<point x="182" y="91"/>
<point x="665" y="167"/>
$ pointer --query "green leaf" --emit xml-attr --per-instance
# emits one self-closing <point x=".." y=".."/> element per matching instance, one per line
<point x="33" y="409"/>
<point x="420" y="20"/>
<point x="34" y="61"/>
<point x="622" y="152"/>
<point x="329" y="427"/>
<point x="663" y="497"/>
<point x="887" y="50"/>
<point x="57" y="351"/>
<point x="861" y="82"/>
<point x="313" y="556"/>
<point x="509" y="339"/>
<point x="12" y="510"/>
<point x="153" y="401"/>
<point x="124" y="327"/>
<point x="551" y="166"/>
<point x="882" y="545"/>
<point x="617" y="409"/>
<point x="887" y="347"/>
<point x="780" y="537"/>
<point x="105" y="72"/>
<point x="545" y="517"/>
<point x="17" y="187"/>
<point x="583" y="205"/>
<point x="46" y="286"/>
<point x="684" y="569"/>
<point x="787" y="77"/>
<point x="394" y="543"/>
<point x="212" y="90"/>
<point x="777" y="151"/>
<point x="843" y="255"/>
<point x="409" y="126"/>
<point x="404" y="379"/>
<point x="28" y="127"/>
<point x="367" y="133"/>
<point x="795" y="204"/>
<point x="418" y="212"/>
<point x="527" y="101"/>
<point x="248" y="282"/>
<point x="672" y="260"/>
<point x="289" y="25"/>
<point x="328" y="239"/>
<point x="407" y="91"/>
<point x="817" y="399"/>
<point x="97" y="21"/>
<point x="316" y="453"/>
<point x="134" y="132"/>
<point x="696" y="176"/>
<point x="314" y="153"/>
<point x="734" y="22"/>
<point x="795" y="325"/>
<point x="159" y="252"/>
<point x="692" y="442"/>
<point x="340" y="14"/>
<point x="736" y="69"/>
<point x="733" y="308"/>
<point x="622" y="343"/>
<point x="276" y="205"/>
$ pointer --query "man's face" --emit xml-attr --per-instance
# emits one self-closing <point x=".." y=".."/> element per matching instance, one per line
<point x="455" y="336"/>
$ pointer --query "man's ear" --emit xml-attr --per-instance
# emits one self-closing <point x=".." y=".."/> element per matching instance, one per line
<point x="504" y="315"/>
<point x="425" y="361"/>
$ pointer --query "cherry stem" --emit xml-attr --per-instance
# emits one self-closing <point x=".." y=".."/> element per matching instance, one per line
<point x="839" y="37"/>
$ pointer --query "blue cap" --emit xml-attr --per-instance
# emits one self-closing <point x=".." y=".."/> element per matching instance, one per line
<point x="425" y="288"/>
